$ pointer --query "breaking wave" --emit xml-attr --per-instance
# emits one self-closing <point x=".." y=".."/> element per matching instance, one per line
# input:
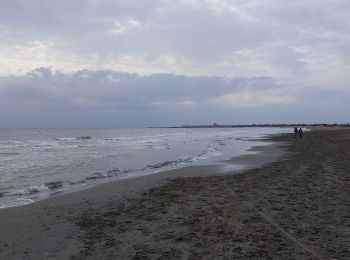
<point x="36" y="189"/>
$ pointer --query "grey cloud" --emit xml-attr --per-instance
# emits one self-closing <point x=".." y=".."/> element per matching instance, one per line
<point x="43" y="84"/>
<point x="111" y="99"/>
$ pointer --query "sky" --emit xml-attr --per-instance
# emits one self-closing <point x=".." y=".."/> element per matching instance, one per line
<point x="114" y="63"/>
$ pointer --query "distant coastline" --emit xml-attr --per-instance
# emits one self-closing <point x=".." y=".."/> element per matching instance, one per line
<point x="214" y="125"/>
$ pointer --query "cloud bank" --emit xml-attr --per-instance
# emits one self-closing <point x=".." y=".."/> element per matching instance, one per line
<point x="105" y="98"/>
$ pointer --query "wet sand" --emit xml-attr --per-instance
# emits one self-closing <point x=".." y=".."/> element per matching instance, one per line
<point x="295" y="208"/>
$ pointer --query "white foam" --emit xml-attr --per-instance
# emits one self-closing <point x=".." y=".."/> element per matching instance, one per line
<point x="16" y="203"/>
<point x="66" y="139"/>
<point x="29" y="190"/>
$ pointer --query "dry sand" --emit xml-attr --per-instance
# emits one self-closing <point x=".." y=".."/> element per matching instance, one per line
<point x="296" y="208"/>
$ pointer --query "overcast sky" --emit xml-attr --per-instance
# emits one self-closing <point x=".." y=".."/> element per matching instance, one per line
<point x="133" y="63"/>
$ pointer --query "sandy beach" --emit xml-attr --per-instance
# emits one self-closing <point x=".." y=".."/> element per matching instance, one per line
<point x="296" y="207"/>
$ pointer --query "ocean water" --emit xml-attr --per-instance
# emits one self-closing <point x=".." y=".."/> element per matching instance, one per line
<point x="36" y="163"/>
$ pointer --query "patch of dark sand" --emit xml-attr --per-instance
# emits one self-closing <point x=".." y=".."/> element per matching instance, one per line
<point x="298" y="208"/>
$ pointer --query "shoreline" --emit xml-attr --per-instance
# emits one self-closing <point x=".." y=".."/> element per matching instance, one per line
<point x="33" y="223"/>
<point x="293" y="208"/>
<point x="234" y="164"/>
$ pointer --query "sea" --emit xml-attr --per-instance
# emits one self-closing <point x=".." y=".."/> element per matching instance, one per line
<point x="38" y="163"/>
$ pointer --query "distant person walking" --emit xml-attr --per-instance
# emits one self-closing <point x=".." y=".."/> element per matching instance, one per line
<point x="300" y="132"/>
<point x="295" y="132"/>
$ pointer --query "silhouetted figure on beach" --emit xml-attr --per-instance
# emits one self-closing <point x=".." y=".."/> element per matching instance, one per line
<point x="300" y="133"/>
<point x="295" y="132"/>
